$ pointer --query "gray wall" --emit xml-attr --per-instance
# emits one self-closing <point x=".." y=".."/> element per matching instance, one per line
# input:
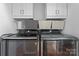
<point x="72" y="22"/>
<point x="39" y="11"/>
<point x="7" y="24"/>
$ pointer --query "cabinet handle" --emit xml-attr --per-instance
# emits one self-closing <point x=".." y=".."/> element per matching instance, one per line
<point x="21" y="11"/>
<point x="57" y="11"/>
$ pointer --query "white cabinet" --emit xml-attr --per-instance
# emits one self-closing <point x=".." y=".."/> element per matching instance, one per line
<point x="61" y="10"/>
<point x="50" y="10"/>
<point x="56" y="10"/>
<point x="22" y="10"/>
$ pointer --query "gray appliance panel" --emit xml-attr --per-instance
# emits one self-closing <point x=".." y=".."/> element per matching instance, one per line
<point x="58" y="37"/>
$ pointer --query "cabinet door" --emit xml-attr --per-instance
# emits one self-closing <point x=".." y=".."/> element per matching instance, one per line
<point x="17" y="10"/>
<point x="59" y="48"/>
<point x="28" y="10"/>
<point x="51" y="7"/>
<point x="22" y="10"/>
<point x="56" y="10"/>
<point x="61" y="10"/>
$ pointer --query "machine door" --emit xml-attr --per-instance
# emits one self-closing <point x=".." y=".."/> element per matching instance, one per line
<point x="27" y="48"/>
<point x="59" y="48"/>
<point x="21" y="47"/>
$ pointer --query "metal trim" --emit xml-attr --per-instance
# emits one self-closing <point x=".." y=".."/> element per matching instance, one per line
<point x="42" y="48"/>
<point x="7" y="38"/>
<point x="58" y="39"/>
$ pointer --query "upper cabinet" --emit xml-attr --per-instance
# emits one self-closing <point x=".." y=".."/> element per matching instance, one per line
<point x="22" y="10"/>
<point x="39" y="11"/>
<point x="56" y="10"/>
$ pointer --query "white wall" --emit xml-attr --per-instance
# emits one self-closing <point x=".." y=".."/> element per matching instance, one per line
<point x="7" y="24"/>
<point x="72" y="22"/>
